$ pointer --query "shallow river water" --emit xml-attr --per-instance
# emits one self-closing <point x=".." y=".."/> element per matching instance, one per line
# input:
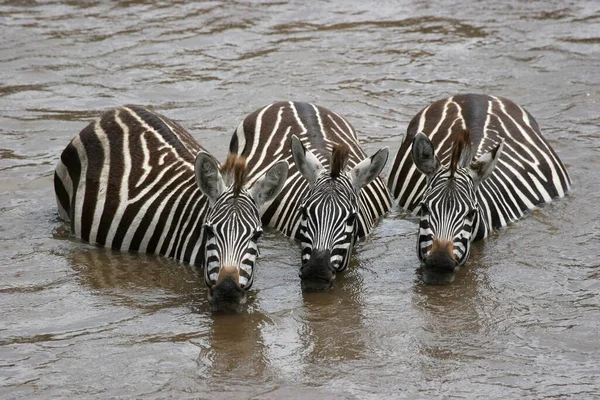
<point x="521" y="321"/>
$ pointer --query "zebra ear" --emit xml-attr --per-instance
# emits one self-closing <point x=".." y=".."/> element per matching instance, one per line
<point x="481" y="168"/>
<point x="308" y="164"/>
<point x="368" y="169"/>
<point x="208" y="176"/>
<point x="268" y="186"/>
<point x="424" y="156"/>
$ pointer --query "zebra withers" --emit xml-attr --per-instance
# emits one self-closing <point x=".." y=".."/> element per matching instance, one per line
<point x="470" y="164"/>
<point x="134" y="180"/>
<point x="333" y="194"/>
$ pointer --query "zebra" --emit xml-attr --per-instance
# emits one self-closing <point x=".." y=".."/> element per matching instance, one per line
<point x="471" y="164"/>
<point x="134" y="180"/>
<point x="333" y="195"/>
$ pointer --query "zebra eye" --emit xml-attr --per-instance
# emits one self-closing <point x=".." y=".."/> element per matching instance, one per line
<point x="424" y="209"/>
<point x="471" y="214"/>
<point x="257" y="235"/>
<point x="351" y="218"/>
<point x="208" y="230"/>
<point x="303" y="212"/>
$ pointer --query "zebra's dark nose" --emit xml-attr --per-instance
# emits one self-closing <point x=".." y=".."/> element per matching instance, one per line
<point x="227" y="295"/>
<point x="440" y="264"/>
<point x="317" y="273"/>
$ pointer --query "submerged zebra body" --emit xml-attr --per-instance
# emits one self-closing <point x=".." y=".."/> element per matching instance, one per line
<point x="134" y="180"/>
<point x="333" y="194"/>
<point x="127" y="182"/>
<point x="471" y="164"/>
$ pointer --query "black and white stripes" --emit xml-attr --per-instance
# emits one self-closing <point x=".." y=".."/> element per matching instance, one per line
<point x="264" y="137"/>
<point x="325" y="204"/>
<point x="232" y="233"/>
<point x="471" y="164"/>
<point x="127" y="182"/>
<point x="135" y="180"/>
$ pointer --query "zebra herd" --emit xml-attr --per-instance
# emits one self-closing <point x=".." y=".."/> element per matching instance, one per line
<point x="134" y="180"/>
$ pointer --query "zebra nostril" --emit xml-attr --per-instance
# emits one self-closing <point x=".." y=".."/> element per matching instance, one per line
<point x="318" y="268"/>
<point x="441" y="262"/>
<point x="226" y="296"/>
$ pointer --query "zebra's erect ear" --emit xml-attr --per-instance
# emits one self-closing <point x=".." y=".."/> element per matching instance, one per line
<point x="481" y="168"/>
<point x="308" y="164"/>
<point x="424" y="156"/>
<point x="368" y="169"/>
<point x="268" y="186"/>
<point x="208" y="176"/>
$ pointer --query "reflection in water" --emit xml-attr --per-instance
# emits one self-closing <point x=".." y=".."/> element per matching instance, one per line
<point x="332" y="326"/>
<point x="451" y="317"/>
<point x="529" y="331"/>
<point x="236" y="351"/>
<point x="137" y="280"/>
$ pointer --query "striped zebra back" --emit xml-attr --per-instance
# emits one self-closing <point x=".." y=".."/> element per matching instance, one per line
<point x="529" y="172"/>
<point x="264" y="137"/>
<point x="127" y="182"/>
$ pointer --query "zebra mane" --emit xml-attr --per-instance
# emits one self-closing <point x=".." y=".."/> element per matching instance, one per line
<point x="339" y="159"/>
<point x="461" y="151"/>
<point x="234" y="172"/>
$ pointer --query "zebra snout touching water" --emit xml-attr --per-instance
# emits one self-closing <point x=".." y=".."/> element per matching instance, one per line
<point x="471" y="164"/>
<point x="136" y="181"/>
<point x="232" y="225"/>
<point x="328" y="213"/>
<point x="446" y="232"/>
<point x="333" y="195"/>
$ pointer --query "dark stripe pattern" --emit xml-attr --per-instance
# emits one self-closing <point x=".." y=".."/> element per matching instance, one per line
<point x="528" y="172"/>
<point x="127" y="181"/>
<point x="264" y="137"/>
<point x="232" y="231"/>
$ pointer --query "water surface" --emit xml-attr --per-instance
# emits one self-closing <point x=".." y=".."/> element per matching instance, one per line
<point x="521" y="321"/>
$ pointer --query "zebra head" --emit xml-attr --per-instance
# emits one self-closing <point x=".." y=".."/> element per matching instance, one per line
<point x="233" y="225"/>
<point x="450" y="215"/>
<point x="329" y="213"/>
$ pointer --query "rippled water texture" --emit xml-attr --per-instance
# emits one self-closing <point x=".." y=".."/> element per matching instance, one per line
<point x="522" y="321"/>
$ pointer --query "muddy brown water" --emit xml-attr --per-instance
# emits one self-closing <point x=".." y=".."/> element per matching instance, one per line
<point x="521" y="321"/>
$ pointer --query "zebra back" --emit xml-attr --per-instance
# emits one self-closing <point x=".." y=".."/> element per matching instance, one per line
<point x="264" y="137"/>
<point x="127" y="182"/>
<point x="529" y="172"/>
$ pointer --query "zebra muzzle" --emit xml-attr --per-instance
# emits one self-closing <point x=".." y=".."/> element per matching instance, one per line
<point x="227" y="294"/>
<point x="317" y="273"/>
<point x="441" y="259"/>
